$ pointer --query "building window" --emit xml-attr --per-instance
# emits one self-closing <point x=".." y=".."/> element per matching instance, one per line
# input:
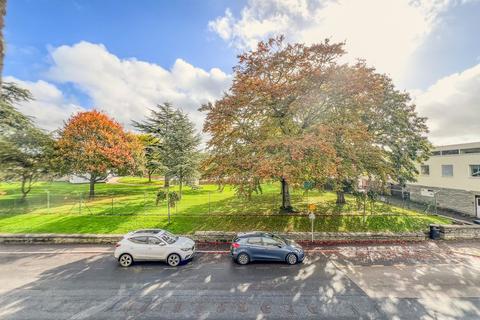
<point x="447" y="152"/>
<point x="475" y="170"/>
<point x="436" y="153"/>
<point x="425" y="170"/>
<point x="447" y="170"/>
<point x="470" y="150"/>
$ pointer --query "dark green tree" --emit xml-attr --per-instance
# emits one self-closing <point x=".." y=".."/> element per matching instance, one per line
<point x="26" y="151"/>
<point x="177" y="143"/>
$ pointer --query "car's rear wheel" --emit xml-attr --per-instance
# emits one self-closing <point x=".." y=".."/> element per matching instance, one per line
<point x="291" y="259"/>
<point x="243" y="259"/>
<point x="125" y="260"/>
<point x="173" y="260"/>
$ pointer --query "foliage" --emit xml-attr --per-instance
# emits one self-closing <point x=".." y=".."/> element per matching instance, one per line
<point x="93" y="145"/>
<point x="260" y="129"/>
<point x="176" y="142"/>
<point x="151" y="163"/>
<point x="295" y="114"/>
<point x="173" y="197"/>
<point x="25" y="150"/>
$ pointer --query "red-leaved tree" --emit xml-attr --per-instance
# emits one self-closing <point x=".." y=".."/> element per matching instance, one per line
<point x="92" y="145"/>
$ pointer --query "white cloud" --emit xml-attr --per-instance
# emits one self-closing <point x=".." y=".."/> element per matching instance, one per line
<point x="49" y="107"/>
<point x="124" y="88"/>
<point x="127" y="88"/>
<point x="386" y="33"/>
<point x="452" y="105"/>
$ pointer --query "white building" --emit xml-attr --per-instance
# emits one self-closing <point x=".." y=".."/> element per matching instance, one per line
<point x="452" y="177"/>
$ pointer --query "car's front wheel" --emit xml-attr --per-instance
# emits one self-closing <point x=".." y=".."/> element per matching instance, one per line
<point x="173" y="260"/>
<point x="125" y="260"/>
<point x="291" y="259"/>
<point x="243" y="259"/>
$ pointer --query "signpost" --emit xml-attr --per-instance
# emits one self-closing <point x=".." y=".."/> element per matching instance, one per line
<point x="311" y="216"/>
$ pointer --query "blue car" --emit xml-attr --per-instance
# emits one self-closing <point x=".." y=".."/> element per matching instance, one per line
<point x="262" y="246"/>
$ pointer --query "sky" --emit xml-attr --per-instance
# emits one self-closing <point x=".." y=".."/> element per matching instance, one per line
<point x="124" y="57"/>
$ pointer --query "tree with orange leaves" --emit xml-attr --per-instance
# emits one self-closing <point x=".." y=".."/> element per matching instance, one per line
<point x="260" y="129"/>
<point x="92" y="145"/>
<point x="294" y="113"/>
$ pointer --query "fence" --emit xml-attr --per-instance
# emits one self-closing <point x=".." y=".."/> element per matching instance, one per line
<point x="200" y="202"/>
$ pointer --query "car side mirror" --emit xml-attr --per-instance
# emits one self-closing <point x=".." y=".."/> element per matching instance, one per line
<point x="279" y="245"/>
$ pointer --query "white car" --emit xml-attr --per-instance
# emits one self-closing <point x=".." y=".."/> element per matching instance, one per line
<point x="153" y="244"/>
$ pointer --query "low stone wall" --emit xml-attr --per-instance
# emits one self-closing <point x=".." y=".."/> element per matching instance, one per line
<point x="447" y="232"/>
<point x="459" y="232"/>
<point x="40" y="238"/>
<point x="219" y="236"/>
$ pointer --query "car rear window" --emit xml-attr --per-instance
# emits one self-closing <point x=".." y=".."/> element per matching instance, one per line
<point x="139" y="240"/>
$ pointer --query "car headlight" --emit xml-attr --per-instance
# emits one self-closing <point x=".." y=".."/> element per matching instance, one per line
<point x="186" y="249"/>
<point x="297" y="250"/>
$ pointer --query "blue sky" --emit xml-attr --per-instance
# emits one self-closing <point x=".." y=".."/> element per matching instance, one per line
<point x="125" y="56"/>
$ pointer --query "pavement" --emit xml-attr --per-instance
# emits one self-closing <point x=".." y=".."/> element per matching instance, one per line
<point x="428" y="280"/>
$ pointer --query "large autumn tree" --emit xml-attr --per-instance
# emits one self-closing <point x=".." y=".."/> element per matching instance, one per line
<point x="294" y="113"/>
<point x="93" y="145"/>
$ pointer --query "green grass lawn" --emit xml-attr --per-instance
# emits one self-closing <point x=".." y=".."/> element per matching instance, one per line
<point x="140" y="180"/>
<point x="59" y="207"/>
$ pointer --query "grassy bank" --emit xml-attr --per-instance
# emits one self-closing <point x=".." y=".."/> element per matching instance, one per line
<point x="65" y="208"/>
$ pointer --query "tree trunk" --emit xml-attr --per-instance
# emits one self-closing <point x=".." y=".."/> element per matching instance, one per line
<point x="180" y="180"/>
<point x="26" y="189"/>
<point x="149" y="177"/>
<point x="92" y="188"/>
<point x="286" y="202"/>
<point x="166" y="182"/>
<point x="341" y="197"/>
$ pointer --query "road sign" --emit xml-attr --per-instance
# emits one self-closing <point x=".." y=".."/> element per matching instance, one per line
<point x="312" y="207"/>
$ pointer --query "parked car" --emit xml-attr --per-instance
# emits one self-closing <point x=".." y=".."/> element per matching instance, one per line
<point x="153" y="244"/>
<point x="255" y="246"/>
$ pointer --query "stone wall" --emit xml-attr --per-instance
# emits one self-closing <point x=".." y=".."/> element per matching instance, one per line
<point x="457" y="200"/>
<point x="60" y="238"/>
<point x="447" y="232"/>
<point x="220" y="236"/>
<point x="459" y="232"/>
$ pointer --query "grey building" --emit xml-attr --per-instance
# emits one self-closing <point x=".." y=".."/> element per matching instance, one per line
<point x="451" y="177"/>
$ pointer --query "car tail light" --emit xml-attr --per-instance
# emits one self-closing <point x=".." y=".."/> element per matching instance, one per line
<point x="235" y="245"/>
<point x="117" y="245"/>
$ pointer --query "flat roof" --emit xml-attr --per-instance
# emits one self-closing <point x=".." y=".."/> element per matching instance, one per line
<point x="458" y="146"/>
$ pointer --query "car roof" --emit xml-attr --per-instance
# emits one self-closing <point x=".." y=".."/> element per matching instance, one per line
<point x="253" y="234"/>
<point x="146" y="232"/>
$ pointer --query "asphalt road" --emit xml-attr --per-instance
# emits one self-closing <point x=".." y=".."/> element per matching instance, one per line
<point x="429" y="281"/>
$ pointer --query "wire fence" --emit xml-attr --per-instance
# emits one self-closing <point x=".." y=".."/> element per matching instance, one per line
<point x="199" y="202"/>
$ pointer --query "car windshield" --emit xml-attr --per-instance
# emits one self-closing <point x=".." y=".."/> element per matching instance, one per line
<point x="168" y="237"/>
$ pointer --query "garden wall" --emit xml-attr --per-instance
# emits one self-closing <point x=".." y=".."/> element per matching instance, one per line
<point x="459" y="232"/>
